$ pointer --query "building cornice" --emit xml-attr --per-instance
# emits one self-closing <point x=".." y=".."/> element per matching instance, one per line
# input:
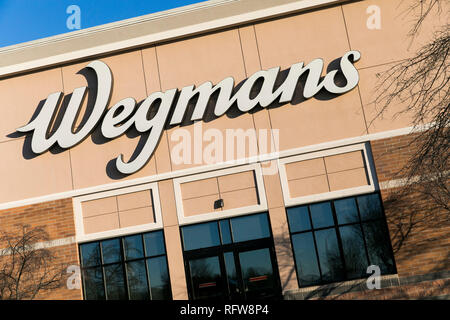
<point x="146" y="30"/>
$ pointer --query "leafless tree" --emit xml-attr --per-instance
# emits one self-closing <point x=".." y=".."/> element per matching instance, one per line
<point x="27" y="267"/>
<point x="421" y="84"/>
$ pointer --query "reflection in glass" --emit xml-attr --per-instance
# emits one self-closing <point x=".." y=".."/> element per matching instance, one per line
<point x="90" y="254"/>
<point x="321" y="215"/>
<point x="257" y="273"/>
<point x="133" y="247"/>
<point x="225" y="231"/>
<point x="230" y="267"/>
<point x="354" y="251"/>
<point x="154" y="244"/>
<point x="346" y="211"/>
<point x="93" y="284"/>
<point x="206" y="278"/>
<point x="201" y="236"/>
<point x="305" y="257"/>
<point x="159" y="278"/>
<point x="370" y="207"/>
<point x="137" y="280"/>
<point x="250" y="227"/>
<point x="329" y="255"/>
<point x="111" y="251"/>
<point x="378" y="247"/>
<point x="114" y="281"/>
<point x="299" y="219"/>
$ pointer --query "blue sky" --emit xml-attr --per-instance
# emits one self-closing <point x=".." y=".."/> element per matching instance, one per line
<point x="26" y="20"/>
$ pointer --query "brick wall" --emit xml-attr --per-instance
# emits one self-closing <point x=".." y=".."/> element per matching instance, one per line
<point x="57" y="219"/>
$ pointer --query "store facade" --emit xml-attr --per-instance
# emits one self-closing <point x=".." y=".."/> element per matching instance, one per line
<point x="220" y="151"/>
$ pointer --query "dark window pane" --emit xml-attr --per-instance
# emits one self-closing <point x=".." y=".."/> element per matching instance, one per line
<point x="201" y="236"/>
<point x="250" y="228"/>
<point x="370" y="207"/>
<point x="321" y="215"/>
<point x="225" y="231"/>
<point x="133" y="247"/>
<point x="346" y="211"/>
<point x="111" y="251"/>
<point x="159" y="278"/>
<point x="137" y="280"/>
<point x="378" y="246"/>
<point x="354" y="252"/>
<point x="230" y="267"/>
<point x="329" y="256"/>
<point x="90" y="254"/>
<point x="115" y="284"/>
<point x="257" y="273"/>
<point x="93" y="284"/>
<point x="154" y="244"/>
<point x="206" y="278"/>
<point x="299" y="219"/>
<point x="306" y="259"/>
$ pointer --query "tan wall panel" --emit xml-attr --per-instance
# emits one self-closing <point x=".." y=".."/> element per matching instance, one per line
<point x="210" y="57"/>
<point x="390" y="42"/>
<point x="135" y="217"/>
<point x="306" y="168"/>
<point x="347" y="179"/>
<point x="316" y="121"/>
<point x="345" y="161"/>
<point x="236" y="181"/>
<point x="308" y="186"/>
<point x="240" y="198"/>
<point x="200" y="205"/>
<point x="99" y="206"/>
<point x="26" y="178"/>
<point x="303" y="37"/>
<point x="134" y="200"/>
<point x="272" y="185"/>
<point x="21" y="96"/>
<point x="175" y="262"/>
<point x="105" y="222"/>
<point x="199" y="188"/>
<point x="167" y="198"/>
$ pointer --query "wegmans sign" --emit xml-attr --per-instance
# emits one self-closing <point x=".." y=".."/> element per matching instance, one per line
<point x="125" y="114"/>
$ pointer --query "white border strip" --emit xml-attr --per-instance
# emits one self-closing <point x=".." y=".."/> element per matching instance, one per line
<point x="180" y="173"/>
<point x="262" y="206"/>
<point x="371" y="187"/>
<point x="165" y="35"/>
<point x="79" y="226"/>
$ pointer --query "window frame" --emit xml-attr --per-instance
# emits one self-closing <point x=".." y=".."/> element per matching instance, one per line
<point x="336" y="227"/>
<point x="123" y="263"/>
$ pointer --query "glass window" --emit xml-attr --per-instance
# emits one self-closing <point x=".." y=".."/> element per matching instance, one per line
<point x="137" y="280"/>
<point x="111" y="251"/>
<point x="346" y="211"/>
<point x="206" y="278"/>
<point x="201" y="236"/>
<point x="299" y="219"/>
<point x="370" y="207"/>
<point x="133" y="247"/>
<point x="321" y="215"/>
<point x="250" y="227"/>
<point x="114" y="282"/>
<point x="154" y="244"/>
<point x="90" y="254"/>
<point x="347" y="235"/>
<point x="93" y="284"/>
<point x="225" y="231"/>
<point x="305" y="257"/>
<point x="159" y="278"/>
<point x="125" y="272"/>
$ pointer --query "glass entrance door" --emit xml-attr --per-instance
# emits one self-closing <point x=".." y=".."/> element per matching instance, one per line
<point x="237" y="266"/>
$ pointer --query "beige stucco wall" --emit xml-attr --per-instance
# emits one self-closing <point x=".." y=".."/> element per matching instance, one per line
<point x="238" y="52"/>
